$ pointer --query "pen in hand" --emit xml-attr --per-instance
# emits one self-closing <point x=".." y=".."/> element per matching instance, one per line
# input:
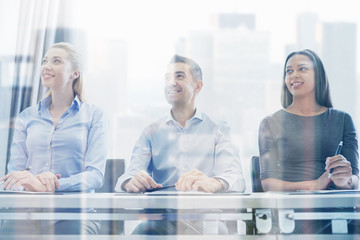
<point x="338" y="150"/>
<point x="159" y="189"/>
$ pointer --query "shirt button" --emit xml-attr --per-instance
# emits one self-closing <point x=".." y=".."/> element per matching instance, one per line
<point x="47" y="164"/>
<point x="48" y="148"/>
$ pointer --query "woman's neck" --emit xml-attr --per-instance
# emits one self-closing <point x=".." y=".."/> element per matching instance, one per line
<point x="61" y="100"/>
<point x="305" y="107"/>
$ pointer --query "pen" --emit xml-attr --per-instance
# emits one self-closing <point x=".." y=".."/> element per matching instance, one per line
<point x="159" y="189"/>
<point x="338" y="150"/>
<point x="27" y="168"/>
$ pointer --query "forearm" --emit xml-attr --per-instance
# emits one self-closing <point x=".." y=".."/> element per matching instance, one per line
<point x="272" y="184"/>
<point x="85" y="181"/>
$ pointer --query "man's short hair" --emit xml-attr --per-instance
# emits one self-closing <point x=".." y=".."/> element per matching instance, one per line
<point x="194" y="67"/>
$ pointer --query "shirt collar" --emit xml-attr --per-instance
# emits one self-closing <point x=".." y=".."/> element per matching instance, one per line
<point x="197" y="115"/>
<point x="45" y="103"/>
<point x="76" y="102"/>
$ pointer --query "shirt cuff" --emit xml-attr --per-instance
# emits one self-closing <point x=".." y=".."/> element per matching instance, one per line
<point x="224" y="184"/>
<point x="63" y="184"/>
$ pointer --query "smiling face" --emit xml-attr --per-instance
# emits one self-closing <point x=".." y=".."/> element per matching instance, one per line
<point x="56" y="70"/>
<point x="300" y="76"/>
<point x="180" y="86"/>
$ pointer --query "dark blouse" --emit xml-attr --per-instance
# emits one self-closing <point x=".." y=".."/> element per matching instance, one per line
<point x="294" y="148"/>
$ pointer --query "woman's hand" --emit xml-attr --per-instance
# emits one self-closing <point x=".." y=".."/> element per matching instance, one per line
<point x="14" y="180"/>
<point x="50" y="180"/>
<point x="319" y="184"/>
<point x="342" y="171"/>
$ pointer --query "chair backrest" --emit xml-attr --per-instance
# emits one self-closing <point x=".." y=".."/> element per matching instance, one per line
<point x="255" y="175"/>
<point x="113" y="170"/>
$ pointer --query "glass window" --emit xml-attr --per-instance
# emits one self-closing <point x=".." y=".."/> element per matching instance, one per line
<point x="126" y="46"/>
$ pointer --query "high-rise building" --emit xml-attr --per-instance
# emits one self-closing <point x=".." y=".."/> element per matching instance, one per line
<point x="339" y="57"/>
<point x="199" y="45"/>
<point x="108" y="71"/>
<point x="235" y="58"/>
<point x="106" y="86"/>
<point x="234" y="20"/>
<point x="308" y="31"/>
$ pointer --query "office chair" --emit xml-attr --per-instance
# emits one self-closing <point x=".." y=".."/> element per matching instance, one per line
<point x="113" y="170"/>
<point x="255" y="175"/>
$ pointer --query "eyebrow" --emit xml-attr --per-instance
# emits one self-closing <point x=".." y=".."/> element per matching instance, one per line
<point x="300" y="65"/>
<point x="54" y="57"/>
<point x="177" y="72"/>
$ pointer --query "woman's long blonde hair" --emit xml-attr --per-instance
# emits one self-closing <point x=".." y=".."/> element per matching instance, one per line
<point x="75" y="58"/>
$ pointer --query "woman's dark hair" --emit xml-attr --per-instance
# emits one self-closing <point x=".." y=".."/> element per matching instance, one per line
<point x="322" y="90"/>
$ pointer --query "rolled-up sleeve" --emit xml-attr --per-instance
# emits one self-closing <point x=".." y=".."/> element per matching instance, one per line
<point x="227" y="160"/>
<point x="140" y="160"/>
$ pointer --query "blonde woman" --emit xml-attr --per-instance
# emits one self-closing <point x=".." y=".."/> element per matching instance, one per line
<point x="58" y="145"/>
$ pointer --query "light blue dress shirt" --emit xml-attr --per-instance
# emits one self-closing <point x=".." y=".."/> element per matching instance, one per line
<point x="166" y="150"/>
<point x="76" y="149"/>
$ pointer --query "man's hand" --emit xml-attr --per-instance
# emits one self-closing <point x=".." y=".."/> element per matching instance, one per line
<point x="50" y="180"/>
<point x="198" y="181"/>
<point x="342" y="171"/>
<point x="140" y="182"/>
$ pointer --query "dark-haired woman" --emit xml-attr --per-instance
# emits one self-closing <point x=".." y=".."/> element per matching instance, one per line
<point x="297" y="144"/>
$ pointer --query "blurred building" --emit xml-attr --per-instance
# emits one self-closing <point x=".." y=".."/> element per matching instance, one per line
<point x="339" y="57"/>
<point x="234" y="20"/>
<point x="235" y="58"/>
<point x="108" y="72"/>
<point x="335" y="42"/>
<point x="308" y="31"/>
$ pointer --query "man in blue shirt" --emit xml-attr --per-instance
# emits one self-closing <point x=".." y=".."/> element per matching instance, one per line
<point x="187" y="148"/>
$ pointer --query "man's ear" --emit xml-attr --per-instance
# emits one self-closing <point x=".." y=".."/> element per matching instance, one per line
<point x="199" y="85"/>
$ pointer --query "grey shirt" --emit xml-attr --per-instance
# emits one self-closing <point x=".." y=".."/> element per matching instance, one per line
<point x="294" y="148"/>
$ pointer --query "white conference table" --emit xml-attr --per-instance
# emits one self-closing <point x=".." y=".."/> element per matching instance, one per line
<point x="337" y="206"/>
<point x="123" y="206"/>
<point x="259" y="207"/>
<point x="132" y="201"/>
<point x="120" y="206"/>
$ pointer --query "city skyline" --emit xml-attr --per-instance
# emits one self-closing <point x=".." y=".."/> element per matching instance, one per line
<point x="153" y="28"/>
<point x="229" y="64"/>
